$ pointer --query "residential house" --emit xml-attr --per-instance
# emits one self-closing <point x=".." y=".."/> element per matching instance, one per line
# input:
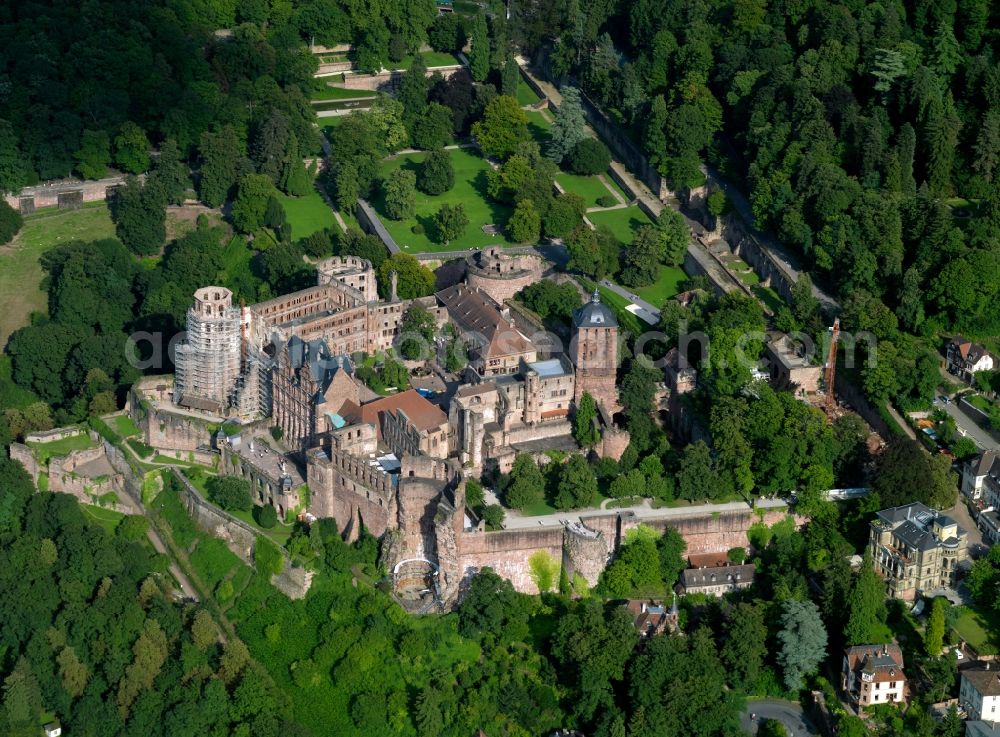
<point x="979" y="693"/>
<point x="873" y="674"/>
<point x="982" y="729"/>
<point x="717" y="581"/>
<point x="966" y="358"/>
<point x="652" y="617"/>
<point x="916" y="549"/>
<point x="981" y="478"/>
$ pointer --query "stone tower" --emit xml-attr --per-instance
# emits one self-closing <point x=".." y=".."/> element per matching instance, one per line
<point x="594" y="352"/>
<point x="208" y="362"/>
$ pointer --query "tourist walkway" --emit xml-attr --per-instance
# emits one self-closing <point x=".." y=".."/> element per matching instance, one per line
<point x="641" y="510"/>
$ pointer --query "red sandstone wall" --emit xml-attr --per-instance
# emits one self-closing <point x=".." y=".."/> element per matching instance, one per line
<point x="507" y="552"/>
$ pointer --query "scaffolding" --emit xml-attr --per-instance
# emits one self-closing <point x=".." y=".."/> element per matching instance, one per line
<point x="208" y="362"/>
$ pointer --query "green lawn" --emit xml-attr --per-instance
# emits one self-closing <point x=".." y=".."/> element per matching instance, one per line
<point x="123" y="425"/>
<point x="666" y="286"/>
<point x="526" y="95"/>
<point x="538" y="127"/>
<point x="749" y="278"/>
<point x="20" y="272"/>
<point x="63" y="447"/>
<point x="307" y="214"/>
<point x="106" y="518"/>
<point x="771" y="299"/>
<point x="431" y="59"/>
<point x="590" y="188"/>
<point x="980" y="402"/>
<point x="326" y="92"/>
<point x="979" y="628"/>
<point x="623" y="223"/>
<point x="469" y="190"/>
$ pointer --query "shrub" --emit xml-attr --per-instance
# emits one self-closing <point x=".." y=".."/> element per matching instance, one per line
<point x="230" y="492"/>
<point x="606" y="201"/>
<point x="267" y="557"/>
<point x="266" y="516"/>
<point x="589" y="156"/>
<point x="10" y="222"/>
<point x="224" y="591"/>
<point x="417" y="229"/>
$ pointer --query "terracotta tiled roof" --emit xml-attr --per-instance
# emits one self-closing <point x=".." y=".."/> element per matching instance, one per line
<point x="423" y="414"/>
<point x="882" y="662"/>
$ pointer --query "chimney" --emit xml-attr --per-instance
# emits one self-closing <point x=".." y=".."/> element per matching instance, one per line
<point x="394" y="280"/>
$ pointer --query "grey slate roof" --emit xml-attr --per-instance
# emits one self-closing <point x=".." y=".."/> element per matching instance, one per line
<point x="696" y="577"/>
<point x="986" y="682"/>
<point x="594" y="314"/>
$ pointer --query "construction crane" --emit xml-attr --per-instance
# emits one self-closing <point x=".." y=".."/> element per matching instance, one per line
<point x="830" y="370"/>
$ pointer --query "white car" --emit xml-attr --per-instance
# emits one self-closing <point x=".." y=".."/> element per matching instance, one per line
<point x="959" y="655"/>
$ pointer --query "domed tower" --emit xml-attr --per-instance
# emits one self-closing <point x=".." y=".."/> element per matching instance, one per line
<point x="594" y="352"/>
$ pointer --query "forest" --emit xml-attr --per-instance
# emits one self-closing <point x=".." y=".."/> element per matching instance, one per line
<point x="866" y="135"/>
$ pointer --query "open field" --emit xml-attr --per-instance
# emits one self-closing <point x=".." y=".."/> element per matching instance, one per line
<point x="978" y="628"/>
<point x="431" y="59"/>
<point x="623" y="223"/>
<point x="469" y="191"/>
<point x="326" y="92"/>
<point x="106" y="518"/>
<point x="589" y="187"/>
<point x="665" y="286"/>
<point x="124" y="426"/>
<point x="538" y="127"/>
<point x="771" y="299"/>
<point x="307" y="214"/>
<point x="20" y="272"/>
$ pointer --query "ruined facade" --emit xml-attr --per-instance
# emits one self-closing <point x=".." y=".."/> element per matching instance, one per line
<point x="502" y="275"/>
<point x="492" y="418"/>
<point x="309" y="389"/>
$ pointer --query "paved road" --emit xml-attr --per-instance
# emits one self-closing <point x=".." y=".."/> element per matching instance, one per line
<point x="787" y="712"/>
<point x="960" y="513"/>
<point x="643" y="309"/>
<point x="965" y="425"/>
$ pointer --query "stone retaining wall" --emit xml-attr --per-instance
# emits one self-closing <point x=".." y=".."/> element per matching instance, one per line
<point x="507" y="552"/>
<point x="239" y="537"/>
<point x="66" y="193"/>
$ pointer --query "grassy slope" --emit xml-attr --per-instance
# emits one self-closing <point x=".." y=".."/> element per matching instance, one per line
<point x="623" y="223"/>
<point x="589" y="187"/>
<point x="20" y="272"/>
<point x="308" y="214"/>
<point x="665" y="286"/>
<point x="526" y="95"/>
<point x="469" y="190"/>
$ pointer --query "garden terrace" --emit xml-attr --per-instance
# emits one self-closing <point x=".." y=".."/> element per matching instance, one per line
<point x="469" y="191"/>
